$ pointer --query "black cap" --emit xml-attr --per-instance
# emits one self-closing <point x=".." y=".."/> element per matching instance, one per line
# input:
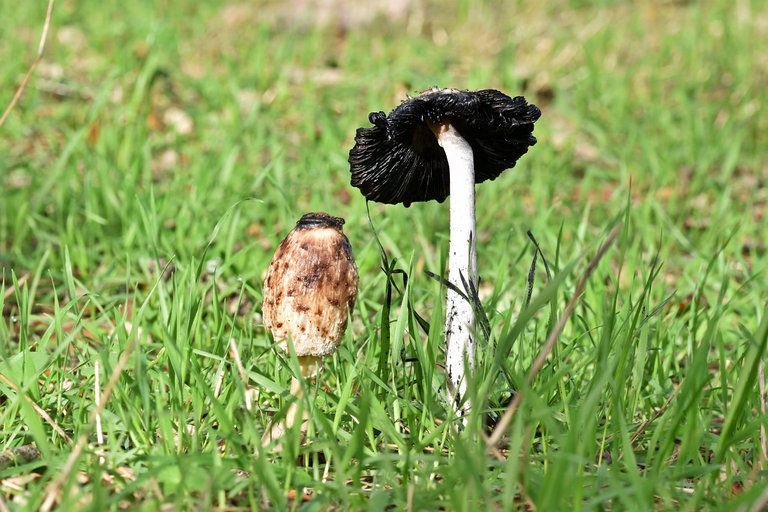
<point x="319" y="220"/>
<point x="398" y="160"/>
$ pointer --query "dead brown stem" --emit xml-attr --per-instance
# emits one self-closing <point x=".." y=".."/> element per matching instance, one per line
<point x="506" y="419"/>
<point x="54" y="489"/>
<point x="40" y="49"/>
<point x="763" y="435"/>
<point x="11" y="290"/>
<point x="647" y="423"/>
<point x="39" y="410"/>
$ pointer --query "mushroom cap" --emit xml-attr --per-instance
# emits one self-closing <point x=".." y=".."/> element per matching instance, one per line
<point x="319" y="220"/>
<point x="310" y="285"/>
<point x="398" y="160"/>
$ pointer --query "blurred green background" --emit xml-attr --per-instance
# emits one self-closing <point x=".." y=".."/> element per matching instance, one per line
<point x="207" y="103"/>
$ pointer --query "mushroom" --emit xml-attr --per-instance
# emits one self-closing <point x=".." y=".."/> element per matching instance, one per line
<point x="439" y="142"/>
<point x="310" y="286"/>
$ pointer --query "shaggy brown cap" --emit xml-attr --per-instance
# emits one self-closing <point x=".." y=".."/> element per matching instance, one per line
<point x="310" y="285"/>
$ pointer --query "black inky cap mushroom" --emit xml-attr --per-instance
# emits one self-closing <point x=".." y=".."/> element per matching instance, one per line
<point x="398" y="160"/>
<point x="309" y="289"/>
<point x="441" y="142"/>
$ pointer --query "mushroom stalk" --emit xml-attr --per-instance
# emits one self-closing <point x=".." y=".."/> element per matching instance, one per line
<point x="462" y="260"/>
<point x="308" y="366"/>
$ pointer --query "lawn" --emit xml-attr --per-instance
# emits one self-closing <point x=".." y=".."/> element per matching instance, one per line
<point x="161" y="151"/>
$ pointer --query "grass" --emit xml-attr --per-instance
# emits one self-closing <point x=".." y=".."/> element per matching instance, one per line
<point x="160" y="153"/>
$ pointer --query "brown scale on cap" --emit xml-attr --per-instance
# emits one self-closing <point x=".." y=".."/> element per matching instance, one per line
<point x="310" y="285"/>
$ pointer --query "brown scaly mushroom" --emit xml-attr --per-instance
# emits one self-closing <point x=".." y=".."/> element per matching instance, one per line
<point x="310" y="286"/>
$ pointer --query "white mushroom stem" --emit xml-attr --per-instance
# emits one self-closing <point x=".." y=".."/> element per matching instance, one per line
<point x="309" y="366"/>
<point x="462" y="260"/>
